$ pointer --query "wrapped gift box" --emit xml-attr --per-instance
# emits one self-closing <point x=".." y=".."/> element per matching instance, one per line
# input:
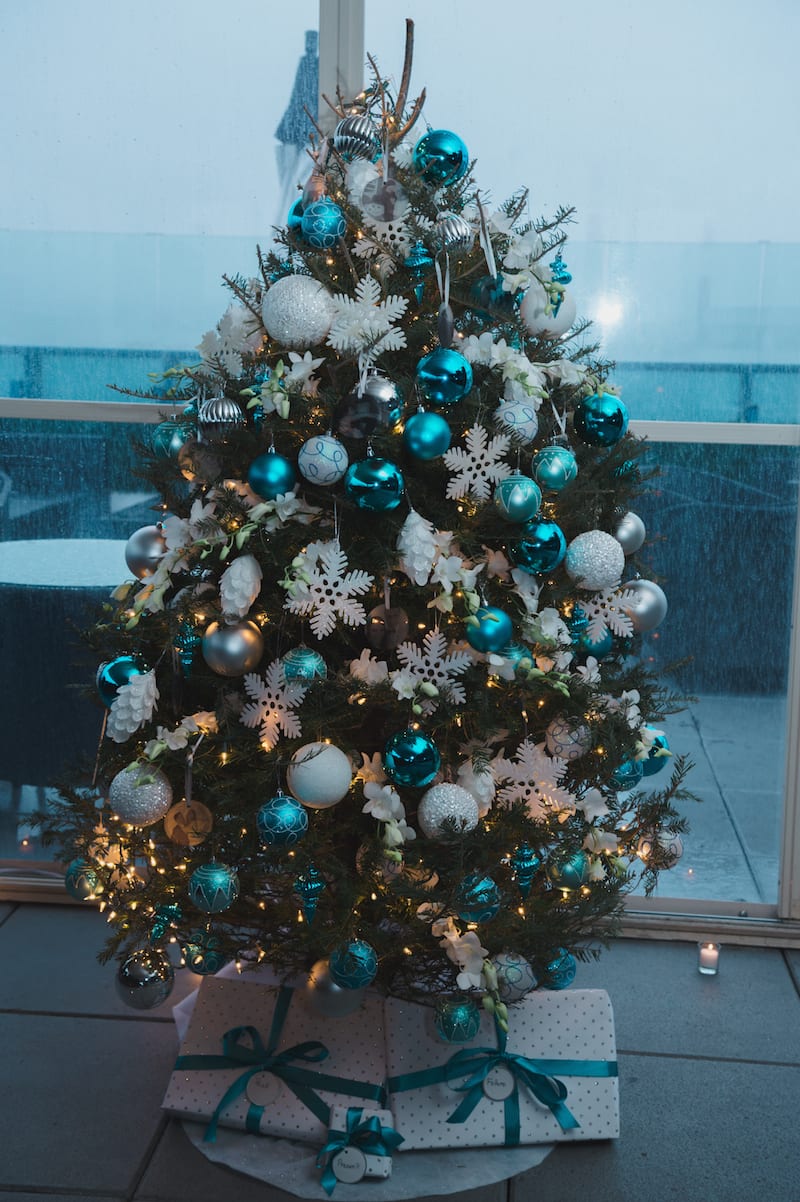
<point x="275" y="1087"/>
<point x="560" y="1047"/>
<point x="350" y="1153"/>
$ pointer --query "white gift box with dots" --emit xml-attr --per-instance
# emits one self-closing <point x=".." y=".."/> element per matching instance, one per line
<point x="568" y="1025"/>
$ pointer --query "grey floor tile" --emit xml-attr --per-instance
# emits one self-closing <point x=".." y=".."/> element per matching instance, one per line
<point x="16" y="1196"/>
<point x="65" y="976"/>
<point x="749" y="1011"/>
<point x="690" y="1133"/>
<point x="5" y="909"/>
<point x="80" y="1100"/>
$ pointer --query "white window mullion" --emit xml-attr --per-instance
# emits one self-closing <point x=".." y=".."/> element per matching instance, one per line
<point x="341" y="53"/>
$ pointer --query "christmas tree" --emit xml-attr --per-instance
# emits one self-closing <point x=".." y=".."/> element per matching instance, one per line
<point x="375" y="706"/>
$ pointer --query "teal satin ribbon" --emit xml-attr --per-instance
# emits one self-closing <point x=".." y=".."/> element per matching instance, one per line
<point x="366" y="1134"/>
<point x="256" y="1058"/>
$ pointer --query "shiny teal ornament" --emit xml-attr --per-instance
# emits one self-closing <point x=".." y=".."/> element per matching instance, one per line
<point x="81" y="880"/>
<point x="419" y="261"/>
<point x="426" y="435"/>
<point x="308" y="887"/>
<point x="353" y="965"/>
<point x="214" y="887"/>
<point x="599" y="648"/>
<point x="164" y="918"/>
<point x="323" y="224"/>
<point x="558" y="270"/>
<point x="628" y="775"/>
<point x="571" y="872"/>
<point x="294" y="220"/>
<point x="440" y="157"/>
<point x="492" y="300"/>
<point x="653" y="762"/>
<point x="444" y="376"/>
<point x="187" y="640"/>
<point x="493" y="630"/>
<point x="553" y="468"/>
<point x="203" y="955"/>
<point x="525" y="864"/>
<point x="457" y="1020"/>
<point x="517" y="498"/>
<point x="167" y="439"/>
<point x="374" y="484"/>
<point x="411" y="758"/>
<point x="540" y="548"/>
<point x="304" y="663"/>
<point x="477" y="899"/>
<point x="112" y="675"/>
<point x="282" y="821"/>
<point x="601" y="419"/>
<point x="559" y="970"/>
<point x="271" y="475"/>
<point x="577" y="624"/>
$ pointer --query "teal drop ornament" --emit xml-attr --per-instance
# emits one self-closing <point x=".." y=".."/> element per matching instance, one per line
<point x="112" y="675"/>
<point x="601" y="419"/>
<point x="477" y="899"/>
<point x="374" y="484"/>
<point x="353" y="965"/>
<point x="214" y="887"/>
<point x="524" y="864"/>
<point x="540" y="549"/>
<point x="411" y="759"/>
<point x="80" y="880"/>
<point x="559" y="970"/>
<point x="457" y="1020"/>
<point x="304" y="663"/>
<point x="168" y="438"/>
<point x="553" y="468"/>
<point x="440" y="157"/>
<point x="271" y="476"/>
<point x="571" y="872"/>
<point x="282" y="821"/>
<point x="308" y="887"/>
<point x="517" y="498"/>
<point x="493" y="630"/>
<point x="426" y="435"/>
<point x="444" y="376"/>
<point x="323" y="224"/>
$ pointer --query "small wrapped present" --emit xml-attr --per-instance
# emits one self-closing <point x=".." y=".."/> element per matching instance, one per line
<point x="553" y="1078"/>
<point x="360" y="1144"/>
<point x="252" y="1058"/>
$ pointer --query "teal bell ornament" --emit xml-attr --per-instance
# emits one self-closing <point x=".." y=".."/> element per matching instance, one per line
<point x="80" y="880"/>
<point x="457" y="1020"/>
<point x="477" y="899"/>
<point x="214" y="887"/>
<point x="490" y="629"/>
<point x="444" y="376"/>
<point x="601" y="419"/>
<point x="426" y="435"/>
<point x="374" y="484"/>
<point x="304" y="663"/>
<point x="517" y="498"/>
<point x="558" y="972"/>
<point x="440" y="157"/>
<point x="353" y="965"/>
<point x="411" y="759"/>
<point x="323" y="224"/>
<point x="308" y="887"/>
<point x="540" y="549"/>
<point x="112" y="675"/>
<point x="553" y="468"/>
<point x="570" y="873"/>
<point x="525" y="864"/>
<point x="271" y="475"/>
<point x="281" y="822"/>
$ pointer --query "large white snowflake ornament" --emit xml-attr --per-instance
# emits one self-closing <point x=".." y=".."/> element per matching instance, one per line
<point x="430" y="669"/>
<point x="604" y="610"/>
<point x="364" y="324"/>
<point x="274" y="700"/>
<point x="533" y="776"/>
<point x="319" y="584"/>
<point x="479" y="467"/>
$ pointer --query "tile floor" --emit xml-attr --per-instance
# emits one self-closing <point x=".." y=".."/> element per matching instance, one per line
<point x="709" y="1067"/>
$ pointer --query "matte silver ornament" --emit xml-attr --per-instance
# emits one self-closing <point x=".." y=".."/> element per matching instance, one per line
<point x="297" y="311"/>
<point x="594" y="560"/>
<point x="140" y="795"/>
<point x="144" y="550"/>
<point x="356" y="137"/>
<point x="648" y="607"/>
<point x="443" y="802"/>
<point x="217" y="417"/>
<point x="326" y="997"/>
<point x="145" y="979"/>
<point x="630" y="533"/>
<point x="232" y="650"/>
<point x="454" y="233"/>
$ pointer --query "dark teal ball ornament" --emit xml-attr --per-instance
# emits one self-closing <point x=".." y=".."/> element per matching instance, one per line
<point x="145" y="979"/>
<point x="601" y="419"/>
<point x="559" y="970"/>
<point x="477" y="899"/>
<point x="323" y="224"/>
<point x="374" y="484"/>
<point x="353" y="965"/>
<point x="599" y="648"/>
<point x="202" y="954"/>
<point x="540" y="549"/>
<point x="653" y="762"/>
<point x="570" y="873"/>
<point x="271" y="475"/>
<point x="282" y="821"/>
<point x="517" y="498"/>
<point x="81" y="880"/>
<point x="304" y="663"/>
<point x="492" y="299"/>
<point x="426" y="435"/>
<point x="411" y="758"/>
<point x="214" y="887"/>
<point x="112" y="675"/>
<point x="168" y="438"/>
<point x="441" y="157"/>
<point x="457" y="1020"/>
<point x="628" y="775"/>
<point x="553" y="468"/>
<point x="493" y="630"/>
<point x="294" y="220"/>
<point x="444" y="376"/>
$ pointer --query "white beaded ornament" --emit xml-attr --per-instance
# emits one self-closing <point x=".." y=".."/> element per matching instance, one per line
<point x="594" y="560"/>
<point x="446" y="801"/>
<point x="140" y="795"/>
<point x="297" y="311"/>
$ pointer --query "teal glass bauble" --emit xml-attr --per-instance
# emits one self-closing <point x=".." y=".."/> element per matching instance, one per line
<point x="553" y="468"/>
<point x="411" y="758"/>
<point x="112" y="675"/>
<point x="628" y="775"/>
<point x="375" y="484"/>
<point x="477" y="898"/>
<point x="304" y="663"/>
<point x="309" y="887"/>
<point x="457" y="1020"/>
<point x="599" y="648"/>
<point x="571" y="872"/>
<point x="540" y="548"/>
<point x="601" y="419"/>
<point x="653" y="762"/>
<point x="517" y="498"/>
<point x="294" y="219"/>
<point x="282" y="821"/>
<point x="493" y="630"/>
<point x="559" y="970"/>
<point x="214" y="887"/>
<point x="168" y="438"/>
<point x="81" y="880"/>
<point x="353" y="965"/>
<point x="271" y="475"/>
<point x="441" y="157"/>
<point x="202" y="954"/>
<point x="323" y="224"/>
<point x="427" y="435"/>
<point x="419" y="260"/>
<point x="444" y="376"/>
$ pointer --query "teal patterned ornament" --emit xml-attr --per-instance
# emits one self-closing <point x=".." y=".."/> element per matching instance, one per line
<point x="168" y="438"/>
<point x="112" y="675"/>
<point x="308" y="887"/>
<point x="353" y="965"/>
<point x="444" y="376"/>
<point x="304" y="663"/>
<point x="375" y="484"/>
<point x="570" y="872"/>
<point x="457" y="1020"/>
<point x="490" y="629"/>
<point x="81" y="880"/>
<point x="540" y="548"/>
<point x="214" y="887"/>
<point x="517" y="498"/>
<point x="282" y="821"/>
<point x="440" y="157"/>
<point x="525" y="864"/>
<point x="323" y="224"/>
<point x="553" y="468"/>
<point x="628" y="775"/>
<point x="411" y="759"/>
<point x="426" y="435"/>
<point x="601" y="419"/>
<point x="271" y="476"/>
<point x="145" y="979"/>
<point x="656" y="758"/>
<point x="202" y="954"/>
<point x="559" y="970"/>
<point x="477" y="899"/>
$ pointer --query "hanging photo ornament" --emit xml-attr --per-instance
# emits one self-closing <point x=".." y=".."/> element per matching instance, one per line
<point x="426" y="435"/>
<point x="144" y="550"/>
<point x="140" y="795"/>
<point x="384" y="200"/>
<point x="231" y="649"/>
<point x="444" y="376"/>
<point x="297" y="312"/>
<point x="412" y="759"/>
<point x="323" y="224"/>
<point x="594" y="560"/>
<point x="374" y="484"/>
<point x="217" y="418"/>
<point x="540" y="548"/>
<point x="373" y="406"/>
<point x="648" y="606"/>
<point x="517" y="418"/>
<point x="440" y="157"/>
<point x="189" y="823"/>
<point x="319" y="775"/>
<point x="271" y="476"/>
<point x="553" y="468"/>
<point x="630" y="533"/>
<point x="145" y="979"/>
<point x="517" y="498"/>
<point x="600" y="420"/>
<point x="356" y="137"/>
<point x="322" y="460"/>
<point x="387" y="627"/>
<point x="112" y="675"/>
<point x="446" y="811"/>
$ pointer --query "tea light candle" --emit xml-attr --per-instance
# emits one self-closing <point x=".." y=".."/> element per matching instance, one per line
<point x="708" y="958"/>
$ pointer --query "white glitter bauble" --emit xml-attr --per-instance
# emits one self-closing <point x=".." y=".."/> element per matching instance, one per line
<point x="319" y="775"/>
<point x="140" y="795"/>
<point x="446" y="801"/>
<point x="540" y="323"/>
<point x="515" y="977"/>
<point x="297" y="311"/>
<point x="630" y="533"/>
<point x="322" y="460"/>
<point x="567" y="738"/>
<point x="517" y="418"/>
<point x="594" y="560"/>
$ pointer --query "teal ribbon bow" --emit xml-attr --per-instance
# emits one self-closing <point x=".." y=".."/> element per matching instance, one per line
<point x="243" y="1047"/>
<point x="366" y="1134"/>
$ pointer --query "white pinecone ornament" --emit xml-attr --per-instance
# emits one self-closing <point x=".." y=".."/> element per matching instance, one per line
<point x="240" y="585"/>
<point x="417" y="548"/>
<point x="132" y="707"/>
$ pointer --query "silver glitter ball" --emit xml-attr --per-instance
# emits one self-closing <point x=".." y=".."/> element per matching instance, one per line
<point x="446" y="801"/>
<point x="630" y="533"/>
<point x="145" y="979"/>
<point x="356" y="138"/>
<point x="594" y="560"/>
<point x="648" y="608"/>
<point x="217" y="417"/>
<point x="454" y="233"/>
<point x="144" y="550"/>
<point x="297" y="311"/>
<point x="326" y="997"/>
<point x="140" y="795"/>
<point x="232" y="650"/>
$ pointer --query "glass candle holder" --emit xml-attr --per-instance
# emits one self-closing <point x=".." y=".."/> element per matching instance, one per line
<point x="708" y="958"/>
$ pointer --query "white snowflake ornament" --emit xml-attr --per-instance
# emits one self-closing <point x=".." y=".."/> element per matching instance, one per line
<point x="272" y="703"/>
<point x="533" y="776"/>
<point x="433" y="668"/>
<point x="132" y="707"/>
<point x="605" y="611"/>
<point x="240" y="585"/>
<point x="364" y="324"/>
<point x="322" y="587"/>
<point x="479" y="467"/>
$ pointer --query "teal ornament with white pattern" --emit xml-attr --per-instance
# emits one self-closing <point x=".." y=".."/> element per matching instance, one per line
<point x="457" y="1020"/>
<point x="553" y="468"/>
<point x="304" y="663"/>
<point x="214" y="887"/>
<point x="628" y="775"/>
<point x="570" y="872"/>
<point x="477" y="898"/>
<point x="353" y="965"/>
<point x="517" y="498"/>
<point x="558" y="971"/>
<point x="282" y="821"/>
<point x="323" y="224"/>
<point x="202" y="954"/>
<point x="80" y="880"/>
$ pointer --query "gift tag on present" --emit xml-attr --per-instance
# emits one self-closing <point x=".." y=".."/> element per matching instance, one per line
<point x="349" y="1165"/>
<point x="499" y="1083"/>
<point x="263" y="1089"/>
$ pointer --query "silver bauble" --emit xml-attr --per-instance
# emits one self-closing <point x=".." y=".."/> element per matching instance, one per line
<point x="630" y="533"/>
<point x="648" y="608"/>
<point x="446" y="801"/>
<point x="326" y="997"/>
<point x="144" y="550"/>
<point x="515" y="977"/>
<point x="454" y="233"/>
<point x="140" y="795"/>
<point x="356" y="137"/>
<point x="145" y="979"/>
<point x="297" y="311"/>
<point x="217" y="417"/>
<point x="232" y="649"/>
<point x="594" y="560"/>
